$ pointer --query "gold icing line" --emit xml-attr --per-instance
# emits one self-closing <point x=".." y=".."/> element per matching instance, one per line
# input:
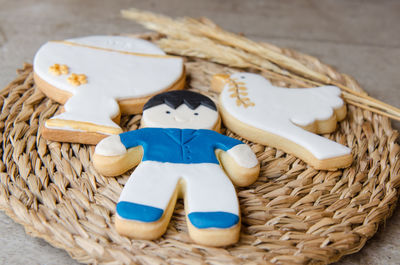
<point x="112" y="50"/>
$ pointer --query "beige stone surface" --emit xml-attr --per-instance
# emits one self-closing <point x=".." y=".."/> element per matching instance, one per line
<point x="360" y="38"/>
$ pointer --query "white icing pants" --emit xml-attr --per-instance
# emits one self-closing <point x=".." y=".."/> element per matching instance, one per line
<point x="208" y="188"/>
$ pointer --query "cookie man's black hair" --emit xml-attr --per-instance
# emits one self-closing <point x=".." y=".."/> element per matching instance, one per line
<point x="178" y="97"/>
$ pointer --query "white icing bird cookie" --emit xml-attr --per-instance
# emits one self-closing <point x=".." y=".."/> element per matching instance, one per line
<point x="287" y="119"/>
<point x="99" y="77"/>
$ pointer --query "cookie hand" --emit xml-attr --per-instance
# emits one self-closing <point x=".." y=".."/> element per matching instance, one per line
<point x="111" y="158"/>
<point x="110" y="146"/>
<point x="243" y="155"/>
<point x="240" y="164"/>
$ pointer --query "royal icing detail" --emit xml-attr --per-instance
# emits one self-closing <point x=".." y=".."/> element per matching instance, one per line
<point x="105" y="69"/>
<point x="57" y="69"/>
<point x="77" y="79"/>
<point x="280" y="110"/>
<point x="238" y="91"/>
<point x="175" y="153"/>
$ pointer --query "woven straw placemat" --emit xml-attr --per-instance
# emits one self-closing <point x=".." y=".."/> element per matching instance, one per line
<point x="293" y="214"/>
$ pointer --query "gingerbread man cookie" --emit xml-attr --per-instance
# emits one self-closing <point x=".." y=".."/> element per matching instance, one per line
<point x="287" y="119"/>
<point x="99" y="77"/>
<point x="179" y="155"/>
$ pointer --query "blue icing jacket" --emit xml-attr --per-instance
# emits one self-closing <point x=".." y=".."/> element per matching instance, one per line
<point x="172" y="145"/>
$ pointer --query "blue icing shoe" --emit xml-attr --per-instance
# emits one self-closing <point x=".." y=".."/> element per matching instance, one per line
<point x="203" y="220"/>
<point x="138" y="212"/>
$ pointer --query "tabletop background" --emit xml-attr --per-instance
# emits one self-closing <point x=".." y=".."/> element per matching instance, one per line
<point x="358" y="37"/>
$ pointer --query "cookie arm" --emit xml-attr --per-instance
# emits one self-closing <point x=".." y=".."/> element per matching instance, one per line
<point x="111" y="156"/>
<point x="238" y="161"/>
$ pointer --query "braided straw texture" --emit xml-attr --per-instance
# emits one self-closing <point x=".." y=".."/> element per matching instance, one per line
<point x="293" y="214"/>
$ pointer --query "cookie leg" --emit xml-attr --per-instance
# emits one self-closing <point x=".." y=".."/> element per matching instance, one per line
<point x="212" y="206"/>
<point x="146" y="202"/>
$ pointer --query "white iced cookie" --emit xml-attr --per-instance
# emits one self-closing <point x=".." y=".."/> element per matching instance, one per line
<point x="179" y="155"/>
<point x="287" y="119"/>
<point x="99" y="77"/>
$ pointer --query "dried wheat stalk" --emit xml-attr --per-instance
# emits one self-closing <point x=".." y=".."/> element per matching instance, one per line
<point x="204" y="39"/>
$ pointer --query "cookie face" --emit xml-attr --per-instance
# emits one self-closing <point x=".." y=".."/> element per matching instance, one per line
<point x="99" y="77"/>
<point x="176" y="159"/>
<point x="167" y="113"/>
<point x="288" y="119"/>
<point x="182" y="117"/>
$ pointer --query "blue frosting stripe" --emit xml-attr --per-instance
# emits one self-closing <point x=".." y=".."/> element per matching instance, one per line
<point x="138" y="212"/>
<point x="204" y="220"/>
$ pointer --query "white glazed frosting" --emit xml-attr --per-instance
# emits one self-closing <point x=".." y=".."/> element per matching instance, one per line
<point x="111" y="74"/>
<point x="243" y="155"/>
<point x="277" y="110"/>
<point x="110" y="146"/>
<point x="163" y="116"/>
<point x="207" y="187"/>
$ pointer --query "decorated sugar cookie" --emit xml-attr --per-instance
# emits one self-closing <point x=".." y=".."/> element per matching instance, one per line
<point x="99" y="77"/>
<point x="288" y="119"/>
<point x="179" y="155"/>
